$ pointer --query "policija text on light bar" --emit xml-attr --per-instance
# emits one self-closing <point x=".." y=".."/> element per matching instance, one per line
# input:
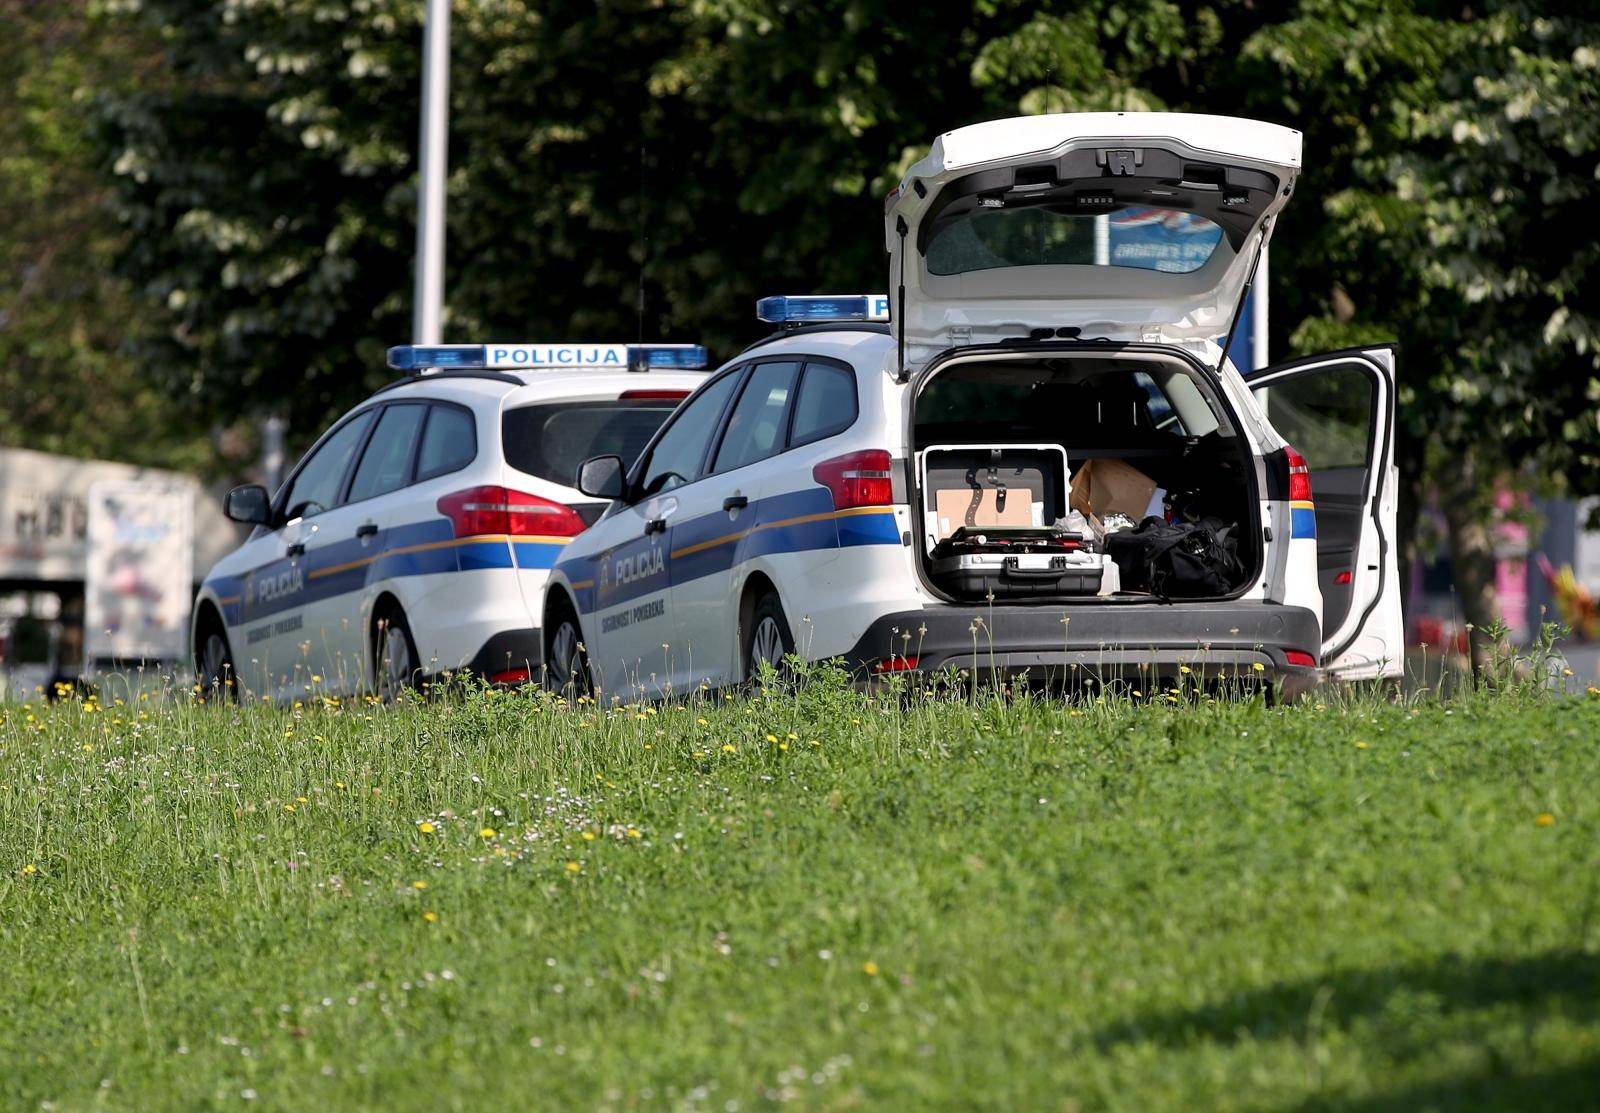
<point x="421" y="359"/>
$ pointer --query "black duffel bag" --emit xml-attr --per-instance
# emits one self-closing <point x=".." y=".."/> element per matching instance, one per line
<point x="1177" y="560"/>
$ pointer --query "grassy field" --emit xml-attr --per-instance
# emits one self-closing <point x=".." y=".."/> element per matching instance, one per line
<point x="503" y="902"/>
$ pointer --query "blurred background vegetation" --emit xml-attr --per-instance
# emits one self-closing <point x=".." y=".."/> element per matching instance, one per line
<point x="209" y="203"/>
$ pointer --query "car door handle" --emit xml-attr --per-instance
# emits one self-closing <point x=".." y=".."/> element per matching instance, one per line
<point x="367" y="529"/>
<point x="735" y="502"/>
<point x="655" y="525"/>
<point x="297" y="549"/>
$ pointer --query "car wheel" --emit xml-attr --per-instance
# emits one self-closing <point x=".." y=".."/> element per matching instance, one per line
<point x="768" y="639"/>
<point x="214" y="663"/>
<point x="566" y="661"/>
<point x="394" y="655"/>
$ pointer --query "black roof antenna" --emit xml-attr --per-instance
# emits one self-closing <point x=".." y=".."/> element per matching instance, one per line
<point x="643" y="242"/>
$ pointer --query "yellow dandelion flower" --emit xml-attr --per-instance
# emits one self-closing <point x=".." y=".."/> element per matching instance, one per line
<point x="573" y="867"/>
<point x="707" y="722"/>
<point x="588" y="836"/>
<point x="1259" y="667"/>
<point x="30" y="869"/>
<point x="288" y="807"/>
<point x="813" y="742"/>
<point x="419" y="885"/>
<point x="1545" y="819"/>
<point x="431" y="916"/>
<point x="729" y="748"/>
<point x="772" y="738"/>
<point x="87" y="746"/>
<point x="426" y="828"/>
<point x="487" y="832"/>
<point x="870" y="969"/>
<point x="783" y="745"/>
<point x="1185" y="669"/>
<point x="338" y="784"/>
<point x="315" y="679"/>
<point x="301" y="800"/>
<point x="793" y="737"/>
<point x="633" y="832"/>
<point x="1361" y="745"/>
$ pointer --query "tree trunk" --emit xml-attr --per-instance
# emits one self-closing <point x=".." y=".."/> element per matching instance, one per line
<point x="1470" y="525"/>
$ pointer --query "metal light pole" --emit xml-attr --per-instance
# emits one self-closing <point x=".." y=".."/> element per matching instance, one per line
<point x="1258" y="326"/>
<point x="428" y="296"/>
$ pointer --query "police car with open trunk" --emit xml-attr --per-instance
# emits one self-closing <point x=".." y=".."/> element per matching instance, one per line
<point x="1048" y="372"/>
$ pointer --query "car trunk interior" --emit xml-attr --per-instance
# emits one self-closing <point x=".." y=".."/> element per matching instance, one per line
<point x="1027" y="468"/>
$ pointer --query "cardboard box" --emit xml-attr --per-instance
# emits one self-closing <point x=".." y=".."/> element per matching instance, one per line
<point x="980" y="507"/>
<point x="1110" y="486"/>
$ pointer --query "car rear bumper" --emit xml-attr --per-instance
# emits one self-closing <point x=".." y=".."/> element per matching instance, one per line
<point x="1102" y="642"/>
<point x="505" y="654"/>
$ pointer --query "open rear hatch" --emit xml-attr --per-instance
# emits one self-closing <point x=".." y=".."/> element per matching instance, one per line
<point x="1116" y="225"/>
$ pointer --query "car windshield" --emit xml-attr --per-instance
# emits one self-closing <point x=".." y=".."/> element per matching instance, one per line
<point x="550" y="440"/>
<point x="1151" y="239"/>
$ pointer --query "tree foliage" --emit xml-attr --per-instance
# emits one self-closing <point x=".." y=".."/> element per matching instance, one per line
<point x="67" y="384"/>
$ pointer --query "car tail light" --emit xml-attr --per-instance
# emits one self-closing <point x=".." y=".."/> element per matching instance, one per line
<point x="1301" y="658"/>
<point x="895" y="664"/>
<point x="511" y="676"/>
<point x="857" y="479"/>
<point x="1299" y="476"/>
<point x="1344" y="577"/>
<point x="500" y="510"/>
<point x="652" y="395"/>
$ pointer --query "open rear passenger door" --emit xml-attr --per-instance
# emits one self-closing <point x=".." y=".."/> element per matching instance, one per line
<point x="1337" y="410"/>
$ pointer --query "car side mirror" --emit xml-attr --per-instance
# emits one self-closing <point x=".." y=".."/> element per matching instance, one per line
<point x="249" y="504"/>
<point x="602" y="477"/>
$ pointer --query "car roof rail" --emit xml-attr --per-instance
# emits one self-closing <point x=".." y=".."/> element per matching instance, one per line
<point x="423" y="380"/>
<point x="802" y="330"/>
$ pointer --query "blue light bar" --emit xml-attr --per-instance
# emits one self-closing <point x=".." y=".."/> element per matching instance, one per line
<point x="681" y="357"/>
<point x="412" y="358"/>
<point x="421" y="359"/>
<point x="787" y="309"/>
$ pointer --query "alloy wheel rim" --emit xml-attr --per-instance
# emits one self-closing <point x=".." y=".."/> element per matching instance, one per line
<point x="213" y="658"/>
<point x="396" y="660"/>
<point x="767" y="645"/>
<point x="563" y="654"/>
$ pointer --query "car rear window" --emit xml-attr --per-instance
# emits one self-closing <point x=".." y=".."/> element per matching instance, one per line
<point x="551" y="439"/>
<point x="1142" y="238"/>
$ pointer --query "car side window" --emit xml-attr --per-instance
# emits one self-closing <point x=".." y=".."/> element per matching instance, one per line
<point x="449" y="443"/>
<point x="386" y="461"/>
<point x="755" y="429"/>
<point x="1326" y="415"/>
<point x="316" y="483"/>
<point x="679" y="452"/>
<point x="826" y="405"/>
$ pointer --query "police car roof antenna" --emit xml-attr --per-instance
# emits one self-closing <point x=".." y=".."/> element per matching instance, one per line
<point x="643" y="243"/>
<point x="1244" y="295"/>
<point x="900" y="307"/>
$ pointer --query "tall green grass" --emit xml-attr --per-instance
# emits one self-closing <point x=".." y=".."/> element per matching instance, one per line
<point x="502" y="900"/>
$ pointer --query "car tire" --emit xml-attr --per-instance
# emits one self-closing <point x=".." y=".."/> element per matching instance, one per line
<point x="768" y="637"/>
<point x="213" y="661"/>
<point x="566" y="661"/>
<point x="394" y="654"/>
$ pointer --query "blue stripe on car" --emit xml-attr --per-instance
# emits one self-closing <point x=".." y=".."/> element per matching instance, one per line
<point x="712" y="544"/>
<point x="1302" y="520"/>
<point x="413" y="549"/>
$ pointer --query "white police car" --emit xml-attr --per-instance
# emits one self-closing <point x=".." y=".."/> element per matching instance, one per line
<point x="416" y="534"/>
<point x="1061" y="284"/>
